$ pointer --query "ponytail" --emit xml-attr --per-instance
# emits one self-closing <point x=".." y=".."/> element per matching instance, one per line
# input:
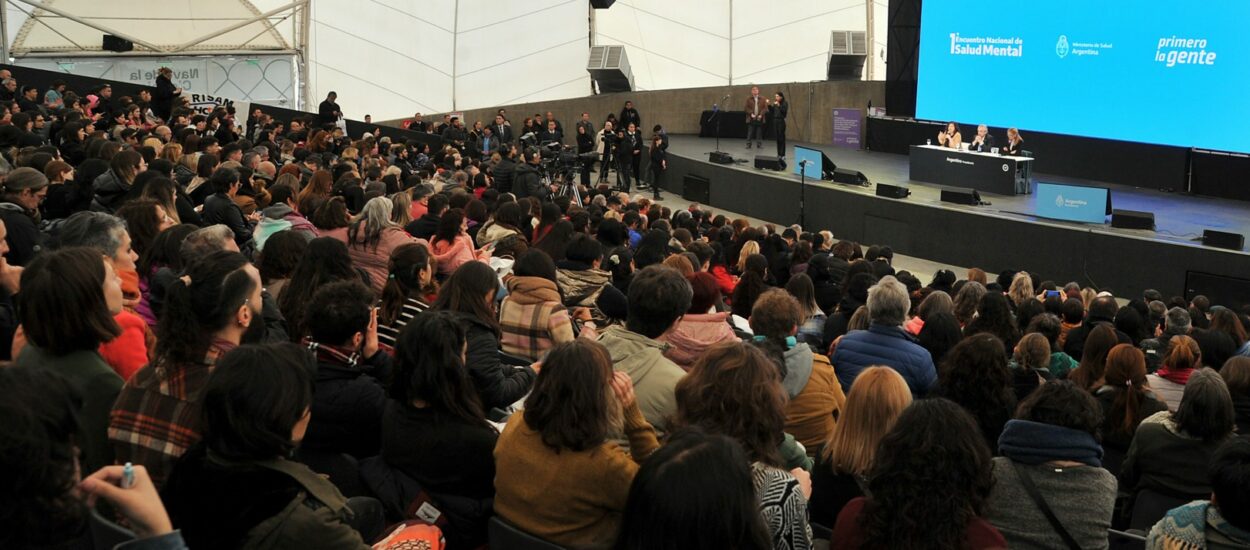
<point x="200" y="304"/>
<point x="1185" y="354"/>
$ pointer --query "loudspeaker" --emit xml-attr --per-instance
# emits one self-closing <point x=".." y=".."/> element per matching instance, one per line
<point x="1221" y="239"/>
<point x="696" y="189"/>
<point x="601" y="4"/>
<point x="961" y="195"/>
<point x="841" y="175"/>
<point x="769" y="162"/>
<point x="116" y="44"/>
<point x="1132" y="219"/>
<point x="892" y="191"/>
<point x="721" y="158"/>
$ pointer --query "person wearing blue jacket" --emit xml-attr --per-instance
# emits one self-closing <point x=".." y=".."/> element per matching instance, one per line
<point x="885" y="342"/>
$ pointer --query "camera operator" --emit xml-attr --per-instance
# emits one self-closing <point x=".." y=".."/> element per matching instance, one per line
<point x="607" y="143"/>
<point x="528" y="181"/>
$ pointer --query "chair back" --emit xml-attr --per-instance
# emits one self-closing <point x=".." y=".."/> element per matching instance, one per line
<point x="505" y="535"/>
<point x="105" y="535"/>
<point x="1125" y="540"/>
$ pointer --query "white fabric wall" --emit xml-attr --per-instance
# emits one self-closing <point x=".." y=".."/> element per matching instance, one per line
<point x="687" y="44"/>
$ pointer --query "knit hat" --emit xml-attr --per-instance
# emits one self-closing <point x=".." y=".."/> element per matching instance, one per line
<point x="25" y="178"/>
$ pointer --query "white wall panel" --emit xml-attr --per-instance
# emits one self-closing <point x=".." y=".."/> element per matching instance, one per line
<point x="669" y="44"/>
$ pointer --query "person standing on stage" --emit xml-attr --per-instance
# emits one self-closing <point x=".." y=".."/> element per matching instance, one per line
<point x="1014" y="142"/>
<point x="950" y="137"/>
<point x="778" y="111"/>
<point x="629" y="115"/>
<point x="983" y="142"/>
<point x="756" y="108"/>
<point x="659" y="164"/>
<point x="607" y="146"/>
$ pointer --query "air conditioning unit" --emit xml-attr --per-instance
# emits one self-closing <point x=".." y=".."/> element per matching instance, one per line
<point x="609" y="67"/>
<point x="848" y="50"/>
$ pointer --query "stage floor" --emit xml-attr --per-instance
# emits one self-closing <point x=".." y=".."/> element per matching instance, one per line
<point x="1179" y="218"/>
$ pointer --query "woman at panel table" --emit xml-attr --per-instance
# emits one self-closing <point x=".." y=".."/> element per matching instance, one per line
<point x="950" y="138"/>
<point x="1014" y="142"/>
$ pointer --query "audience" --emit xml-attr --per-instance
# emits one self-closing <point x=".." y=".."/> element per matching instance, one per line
<point x="117" y="325"/>
<point x="349" y="398"/>
<point x="434" y="429"/>
<point x="558" y="475"/>
<point x="814" y="398"/>
<point x="875" y="402"/>
<point x="695" y="479"/>
<point x="470" y="292"/>
<point x="735" y="390"/>
<point x="929" y="486"/>
<point x="658" y="297"/>
<point x="1223" y="520"/>
<point x="257" y="407"/>
<point x="1052" y="459"/>
<point x="1171" y="451"/>
<point x="885" y="342"/>
<point x="1184" y="357"/>
<point x="1126" y="400"/>
<point x="157" y="414"/>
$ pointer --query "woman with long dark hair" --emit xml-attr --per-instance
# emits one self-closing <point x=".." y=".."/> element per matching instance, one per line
<point x="111" y="187"/>
<point x="434" y="429"/>
<point x="750" y="286"/>
<point x="1090" y="373"/>
<point x="505" y="222"/>
<point x="975" y="375"/>
<point x="564" y="437"/>
<point x="1126" y="399"/>
<point x="409" y="290"/>
<point x="451" y="246"/>
<point x="470" y="291"/>
<point x="994" y="317"/>
<point x="929" y="486"/>
<point x="699" y="479"/>
<point x="325" y="262"/>
<point x="939" y="335"/>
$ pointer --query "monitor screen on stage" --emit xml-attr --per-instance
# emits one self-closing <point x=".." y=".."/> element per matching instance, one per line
<point x="1074" y="203"/>
<point x="1170" y="73"/>
<point x="813" y="166"/>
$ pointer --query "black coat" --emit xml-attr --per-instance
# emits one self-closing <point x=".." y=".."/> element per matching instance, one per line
<point x="23" y="236"/>
<point x="326" y="112"/>
<point x="504" y="173"/>
<point x="1216" y="346"/>
<point x="163" y="97"/>
<point x="220" y="208"/>
<point x="497" y="384"/>
<point x="424" y="227"/>
<point x="1074" y="346"/>
<point x="110" y="192"/>
<point x="528" y="183"/>
<point x="347" y="406"/>
<point x="628" y="116"/>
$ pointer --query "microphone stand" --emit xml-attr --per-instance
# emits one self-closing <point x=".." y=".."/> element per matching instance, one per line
<point x="716" y="115"/>
<point x="802" y="190"/>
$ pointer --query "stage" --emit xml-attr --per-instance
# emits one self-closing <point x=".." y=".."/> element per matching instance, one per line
<point x="1002" y="235"/>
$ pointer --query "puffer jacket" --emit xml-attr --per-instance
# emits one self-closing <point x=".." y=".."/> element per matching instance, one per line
<point x="584" y="286"/>
<point x="493" y="233"/>
<point x="694" y="334"/>
<point x="110" y="192"/>
<point x="498" y="385"/>
<point x="281" y="217"/>
<point x="348" y="403"/>
<point x="816" y="398"/>
<point x="888" y="346"/>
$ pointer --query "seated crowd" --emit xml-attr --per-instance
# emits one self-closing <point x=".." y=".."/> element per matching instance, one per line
<point x="283" y="338"/>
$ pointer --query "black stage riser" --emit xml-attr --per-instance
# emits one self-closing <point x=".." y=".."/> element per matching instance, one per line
<point x="962" y="236"/>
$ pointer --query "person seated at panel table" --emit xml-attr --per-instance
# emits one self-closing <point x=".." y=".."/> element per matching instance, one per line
<point x="1014" y="143"/>
<point x="950" y="137"/>
<point x="983" y="142"/>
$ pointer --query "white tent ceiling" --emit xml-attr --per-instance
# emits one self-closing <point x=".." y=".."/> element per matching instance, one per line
<point x="166" y="25"/>
<point x="391" y="58"/>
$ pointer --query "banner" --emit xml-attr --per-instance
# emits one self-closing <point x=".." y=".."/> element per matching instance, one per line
<point x="1075" y="203"/>
<point x="846" y="128"/>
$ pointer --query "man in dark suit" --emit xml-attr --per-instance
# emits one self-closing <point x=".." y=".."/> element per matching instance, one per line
<point x="629" y="114"/>
<point x="502" y="130"/>
<point x="984" y="142"/>
<point x="551" y="134"/>
<point x="418" y="123"/>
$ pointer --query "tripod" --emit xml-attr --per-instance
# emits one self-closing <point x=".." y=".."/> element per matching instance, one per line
<point x="568" y="186"/>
